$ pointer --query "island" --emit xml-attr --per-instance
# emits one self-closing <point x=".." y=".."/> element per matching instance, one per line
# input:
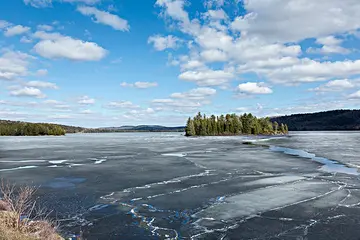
<point x="232" y="124"/>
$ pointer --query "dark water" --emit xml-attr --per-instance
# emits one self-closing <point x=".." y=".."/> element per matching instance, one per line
<point x="166" y="186"/>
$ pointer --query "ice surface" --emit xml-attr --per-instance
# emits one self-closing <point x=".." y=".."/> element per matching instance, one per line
<point x="261" y="200"/>
<point x="163" y="185"/>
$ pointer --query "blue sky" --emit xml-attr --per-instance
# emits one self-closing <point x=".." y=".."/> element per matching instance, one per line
<point x="100" y="63"/>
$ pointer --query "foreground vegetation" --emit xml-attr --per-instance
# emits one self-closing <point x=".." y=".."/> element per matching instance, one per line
<point x="20" y="218"/>
<point x="231" y="124"/>
<point x="12" y="128"/>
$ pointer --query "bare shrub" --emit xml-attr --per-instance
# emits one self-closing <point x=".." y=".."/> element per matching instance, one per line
<point x="19" y="213"/>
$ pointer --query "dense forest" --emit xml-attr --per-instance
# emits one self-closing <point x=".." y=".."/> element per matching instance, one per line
<point x="232" y="124"/>
<point x="14" y="128"/>
<point x="330" y="120"/>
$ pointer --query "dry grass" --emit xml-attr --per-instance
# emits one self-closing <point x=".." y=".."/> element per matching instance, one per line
<point x="20" y="219"/>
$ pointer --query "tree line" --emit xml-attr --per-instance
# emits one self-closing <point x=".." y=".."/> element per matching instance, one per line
<point x="11" y="128"/>
<point x="232" y="124"/>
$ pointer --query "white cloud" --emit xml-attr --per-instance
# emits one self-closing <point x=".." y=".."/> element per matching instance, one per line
<point x="54" y="45"/>
<point x="14" y="64"/>
<point x="330" y="45"/>
<point x="27" y="92"/>
<point x="265" y="19"/>
<point x="45" y="27"/>
<point x="25" y="39"/>
<point x="307" y="70"/>
<point x="214" y="55"/>
<point x="195" y="94"/>
<point x="48" y="3"/>
<point x="254" y="88"/>
<point x="16" y="30"/>
<point x="122" y="104"/>
<point x="216" y="14"/>
<point x="355" y="95"/>
<point x="241" y="110"/>
<point x="142" y="85"/>
<point x="86" y="111"/>
<point x="105" y="18"/>
<point x="40" y="84"/>
<point x="192" y="64"/>
<point x="190" y="101"/>
<point x="57" y="104"/>
<point x="38" y="3"/>
<point x="207" y="77"/>
<point x="163" y="42"/>
<point x="4" y="24"/>
<point x="41" y="72"/>
<point x="335" y="85"/>
<point x="86" y="100"/>
<point x="263" y="43"/>
<point x="174" y="9"/>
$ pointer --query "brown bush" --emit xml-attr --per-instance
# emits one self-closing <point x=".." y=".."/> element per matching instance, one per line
<point x="20" y="218"/>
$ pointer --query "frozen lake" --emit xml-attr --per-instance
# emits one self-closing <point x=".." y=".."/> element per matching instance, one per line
<point x="166" y="186"/>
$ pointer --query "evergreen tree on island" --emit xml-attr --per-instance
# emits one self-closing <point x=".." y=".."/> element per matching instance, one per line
<point x="231" y="124"/>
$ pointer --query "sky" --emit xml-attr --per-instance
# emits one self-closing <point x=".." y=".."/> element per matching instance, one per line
<point x="99" y="63"/>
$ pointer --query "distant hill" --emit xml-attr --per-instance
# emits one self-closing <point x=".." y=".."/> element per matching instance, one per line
<point x="73" y="129"/>
<point x="140" y="128"/>
<point x="321" y="121"/>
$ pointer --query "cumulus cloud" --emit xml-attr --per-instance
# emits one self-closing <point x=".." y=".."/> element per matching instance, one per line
<point x="86" y="111"/>
<point x="174" y="9"/>
<point x="142" y="85"/>
<point x="27" y="92"/>
<point x="41" y="72"/>
<point x="105" y="18"/>
<point x="44" y="27"/>
<point x="254" y="88"/>
<point x="262" y="42"/>
<point x="195" y="94"/>
<point x="161" y="43"/>
<point x="14" y="64"/>
<point x="186" y="102"/>
<point x="57" y="104"/>
<point x="40" y="84"/>
<point x="334" y="85"/>
<point x="48" y="3"/>
<point x="330" y="45"/>
<point x="207" y="77"/>
<point x="265" y="19"/>
<point x="218" y="14"/>
<point x="55" y="45"/>
<point x="38" y="3"/>
<point x="355" y="95"/>
<point x="214" y="55"/>
<point x="4" y="24"/>
<point x="15" y="30"/>
<point x="25" y="39"/>
<point x="122" y="104"/>
<point x="86" y="100"/>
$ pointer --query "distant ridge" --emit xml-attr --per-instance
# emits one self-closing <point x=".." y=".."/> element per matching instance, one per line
<point x="139" y="128"/>
<point x="322" y="121"/>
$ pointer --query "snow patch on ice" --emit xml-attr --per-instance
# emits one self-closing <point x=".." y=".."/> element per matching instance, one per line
<point x="17" y="168"/>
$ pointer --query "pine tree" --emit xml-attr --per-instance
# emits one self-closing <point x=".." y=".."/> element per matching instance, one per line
<point x="190" y="128"/>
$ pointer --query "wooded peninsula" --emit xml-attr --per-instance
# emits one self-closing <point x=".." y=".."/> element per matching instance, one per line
<point x="12" y="128"/>
<point x="232" y="124"/>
